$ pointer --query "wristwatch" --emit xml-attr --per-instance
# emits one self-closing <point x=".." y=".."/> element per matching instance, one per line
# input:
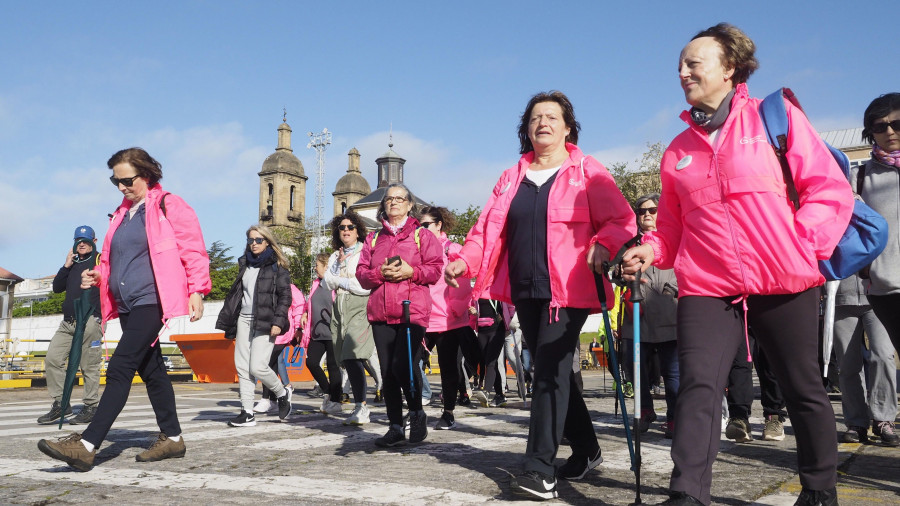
<point x="202" y="297"/>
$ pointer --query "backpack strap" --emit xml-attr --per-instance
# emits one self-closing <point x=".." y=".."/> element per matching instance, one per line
<point x="860" y="177"/>
<point x="418" y="241"/>
<point x="775" y="121"/>
<point x="375" y="238"/>
<point x="162" y="204"/>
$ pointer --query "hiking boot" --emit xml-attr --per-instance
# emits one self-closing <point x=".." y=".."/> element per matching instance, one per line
<point x="534" y="484"/>
<point x="378" y="398"/>
<point x="359" y="416"/>
<point x="418" y="428"/>
<point x="855" y="434"/>
<point x="809" y="497"/>
<point x="480" y="397"/>
<point x="243" y="420"/>
<point x="578" y="465"/>
<point x="679" y="499"/>
<point x="738" y="430"/>
<point x="464" y="400"/>
<point x="70" y="450"/>
<point x="774" y="429"/>
<point x="498" y="401"/>
<point x="330" y="407"/>
<point x="266" y="406"/>
<point x="84" y="416"/>
<point x="885" y="431"/>
<point x="345" y="398"/>
<point x="54" y="414"/>
<point x="394" y="437"/>
<point x="446" y="422"/>
<point x="161" y="449"/>
<point x="284" y="405"/>
<point x="669" y="431"/>
<point x="648" y="416"/>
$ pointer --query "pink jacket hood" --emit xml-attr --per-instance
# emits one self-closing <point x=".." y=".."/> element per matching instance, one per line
<point x="725" y="223"/>
<point x="585" y="207"/>
<point x="177" y="254"/>
<point x="449" y="306"/>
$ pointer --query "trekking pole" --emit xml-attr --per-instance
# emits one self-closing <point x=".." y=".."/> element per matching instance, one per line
<point x="613" y="362"/>
<point x="412" y="380"/>
<point x="636" y="298"/>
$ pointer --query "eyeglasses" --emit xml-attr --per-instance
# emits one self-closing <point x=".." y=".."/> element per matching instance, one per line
<point x="427" y="224"/>
<point x="125" y="181"/>
<point x="399" y="200"/>
<point x="881" y="127"/>
<point x="346" y="227"/>
<point x="257" y="240"/>
<point x="644" y="210"/>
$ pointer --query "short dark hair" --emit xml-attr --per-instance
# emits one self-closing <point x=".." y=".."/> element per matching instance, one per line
<point x="879" y="108"/>
<point x="145" y="165"/>
<point x="737" y="50"/>
<point x="413" y="211"/>
<point x="322" y="258"/>
<point x="355" y="219"/>
<point x="568" y="116"/>
<point x="441" y="214"/>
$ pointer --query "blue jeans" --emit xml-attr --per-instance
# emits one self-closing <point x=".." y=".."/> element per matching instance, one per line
<point x="426" y="386"/>
<point x="668" y="365"/>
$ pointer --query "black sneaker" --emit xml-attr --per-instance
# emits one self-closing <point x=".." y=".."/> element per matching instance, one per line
<point x="679" y="499"/>
<point x="446" y="422"/>
<point x="464" y="400"/>
<point x="578" y="465"/>
<point x="54" y="414"/>
<point x="885" y="431"/>
<point x="394" y="437"/>
<point x="418" y="428"/>
<point x="498" y="401"/>
<point x="535" y="484"/>
<point x="284" y="405"/>
<point x="378" y="397"/>
<point x="856" y="435"/>
<point x="243" y="420"/>
<point x="809" y="497"/>
<point x="84" y="416"/>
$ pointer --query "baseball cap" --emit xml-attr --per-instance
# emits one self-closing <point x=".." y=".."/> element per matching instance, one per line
<point x="84" y="232"/>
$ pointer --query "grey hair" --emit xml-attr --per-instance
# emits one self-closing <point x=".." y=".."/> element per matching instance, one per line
<point x="413" y="211"/>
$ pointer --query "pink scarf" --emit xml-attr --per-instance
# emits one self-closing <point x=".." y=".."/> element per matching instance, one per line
<point x="892" y="158"/>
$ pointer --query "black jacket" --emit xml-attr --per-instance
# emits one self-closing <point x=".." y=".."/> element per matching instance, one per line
<point x="271" y="300"/>
<point x="68" y="280"/>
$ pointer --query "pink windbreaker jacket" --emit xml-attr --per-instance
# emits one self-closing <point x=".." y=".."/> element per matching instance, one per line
<point x="449" y="306"/>
<point x="295" y="312"/>
<point x="585" y="207"/>
<point x="426" y="258"/>
<point x="177" y="254"/>
<point x="725" y="222"/>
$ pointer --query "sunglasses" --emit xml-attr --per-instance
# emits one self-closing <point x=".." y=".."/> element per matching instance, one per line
<point x="125" y="181"/>
<point x="346" y="227"/>
<point x="644" y="210"/>
<point x="398" y="200"/>
<point x="257" y="240"/>
<point x="881" y="127"/>
<point x="427" y="224"/>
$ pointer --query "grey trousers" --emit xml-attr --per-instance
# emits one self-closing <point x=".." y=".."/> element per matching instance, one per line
<point x="252" y="352"/>
<point x="872" y="398"/>
<point x="91" y="359"/>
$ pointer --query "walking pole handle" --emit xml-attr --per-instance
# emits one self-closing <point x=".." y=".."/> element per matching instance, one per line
<point x="406" y="304"/>
<point x="636" y="295"/>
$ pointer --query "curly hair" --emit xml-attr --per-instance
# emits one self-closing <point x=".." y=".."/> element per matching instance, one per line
<point x="738" y="50"/>
<point x="441" y="214"/>
<point x="568" y="116"/>
<point x="145" y="165"/>
<point x="879" y="108"/>
<point x="336" y="234"/>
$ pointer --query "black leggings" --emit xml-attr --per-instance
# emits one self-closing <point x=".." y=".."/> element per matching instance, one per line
<point x="330" y="384"/>
<point x="490" y="342"/>
<point x="394" y="355"/>
<point x="140" y="328"/>
<point x="449" y="345"/>
<point x="273" y="364"/>
<point x="356" y="371"/>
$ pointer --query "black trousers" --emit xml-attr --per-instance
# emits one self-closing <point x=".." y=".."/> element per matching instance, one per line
<point x="449" y="345"/>
<point x="887" y="309"/>
<point x="330" y="384"/>
<point x="556" y="402"/>
<point x="356" y="372"/>
<point x="490" y="343"/>
<point x="394" y="355"/>
<point x="140" y="328"/>
<point x="740" y="384"/>
<point x="710" y="333"/>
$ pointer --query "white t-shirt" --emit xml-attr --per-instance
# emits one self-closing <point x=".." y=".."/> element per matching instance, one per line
<point x="539" y="177"/>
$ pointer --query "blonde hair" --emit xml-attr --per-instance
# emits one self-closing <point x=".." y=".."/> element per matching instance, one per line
<point x="267" y="234"/>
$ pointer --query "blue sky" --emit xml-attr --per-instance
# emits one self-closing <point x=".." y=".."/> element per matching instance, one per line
<point x="201" y="85"/>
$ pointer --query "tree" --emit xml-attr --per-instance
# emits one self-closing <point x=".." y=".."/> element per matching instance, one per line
<point x="465" y="220"/>
<point x="223" y="270"/>
<point x="218" y="258"/>
<point x="644" y="180"/>
<point x="53" y="305"/>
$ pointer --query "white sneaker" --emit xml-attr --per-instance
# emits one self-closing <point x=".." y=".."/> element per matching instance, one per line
<point x="265" y="406"/>
<point x="426" y="401"/>
<point x="359" y="416"/>
<point x="331" y="408"/>
<point x="481" y="397"/>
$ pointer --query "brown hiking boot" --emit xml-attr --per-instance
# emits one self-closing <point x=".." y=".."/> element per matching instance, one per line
<point x="161" y="449"/>
<point x="70" y="450"/>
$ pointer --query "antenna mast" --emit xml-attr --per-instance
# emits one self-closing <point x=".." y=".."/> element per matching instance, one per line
<point x="320" y="142"/>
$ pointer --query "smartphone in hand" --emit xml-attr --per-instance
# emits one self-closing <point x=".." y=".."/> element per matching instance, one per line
<point x="394" y="260"/>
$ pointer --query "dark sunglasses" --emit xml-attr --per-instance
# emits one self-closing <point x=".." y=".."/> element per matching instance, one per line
<point x="346" y="227"/>
<point x="125" y="181"/>
<point x="427" y="224"/>
<point x="257" y="240"/>
<point x="644" y="210"/>
<point x="881" y="127"/>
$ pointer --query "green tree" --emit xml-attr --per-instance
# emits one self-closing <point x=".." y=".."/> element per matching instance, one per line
<point x="218" y="256"/>
<point x="644" y="180"/>
<point x="53" y="305"/>
<point x="465" y="220"/>
<point x="223" y="270"/>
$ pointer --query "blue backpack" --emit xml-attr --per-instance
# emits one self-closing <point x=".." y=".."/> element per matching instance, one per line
<point x="866" y="235"/>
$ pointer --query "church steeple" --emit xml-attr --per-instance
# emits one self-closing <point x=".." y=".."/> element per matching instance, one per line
<point x="390" y="165"/>
<point x="282" y="184"/>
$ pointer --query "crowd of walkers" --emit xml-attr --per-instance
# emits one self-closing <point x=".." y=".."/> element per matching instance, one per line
<point x="729" y="278"/>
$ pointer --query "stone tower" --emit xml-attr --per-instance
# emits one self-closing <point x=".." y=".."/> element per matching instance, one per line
<point x="352" y="186"/>
<point x="390" y="167"/>
<point x="282" y="187"/>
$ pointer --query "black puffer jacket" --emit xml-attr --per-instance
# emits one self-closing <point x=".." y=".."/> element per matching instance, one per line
<point x="271" y="299"/>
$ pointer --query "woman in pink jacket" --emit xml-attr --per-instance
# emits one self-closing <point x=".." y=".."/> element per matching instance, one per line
<point x="551" y="219"/>
<point x="398" y="263"/>
<point x="154" y="267"/>
<point x="743" y="256"/>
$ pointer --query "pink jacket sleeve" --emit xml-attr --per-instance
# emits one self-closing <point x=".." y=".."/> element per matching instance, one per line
<point x="472" y="251"/>
<point x="613" y="218"/>
<point x="191" y="247"/>
<point x="432" y="254"/>
<point x="666" y="239"/>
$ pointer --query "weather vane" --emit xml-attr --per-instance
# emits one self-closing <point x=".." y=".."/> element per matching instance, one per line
<point x="284" y="118"/>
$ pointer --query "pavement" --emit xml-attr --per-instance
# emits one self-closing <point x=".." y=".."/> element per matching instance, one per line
<point x="314" y="458"/>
